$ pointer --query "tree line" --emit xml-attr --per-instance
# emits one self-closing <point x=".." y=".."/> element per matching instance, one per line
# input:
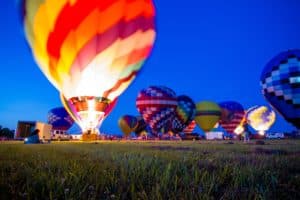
<point x="6" y="132"/>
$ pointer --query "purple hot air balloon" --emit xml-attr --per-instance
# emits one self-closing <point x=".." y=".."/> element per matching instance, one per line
<point x="60" y="119"/>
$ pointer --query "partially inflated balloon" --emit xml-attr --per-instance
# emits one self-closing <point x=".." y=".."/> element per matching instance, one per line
<point x="280" y="81"/>
<point x="261" y="118"/>
<point x="157" y="105"/>
<point x="89" y="50"/>
<point x="127" y="124"/>
<point x="184" y="113"/>
<point x="232" y="115"/>
<point x="59" y="119"/>
<point x="207" y="115"/>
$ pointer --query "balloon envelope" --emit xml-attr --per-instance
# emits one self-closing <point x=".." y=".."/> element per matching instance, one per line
<point x="280" y="81"/>
<point x="190" y="128"/>
<point x="261" y="118"/>
<point x="60" y="119"/>
<point x="232" y="115"/>
<point x="184" y="113"/>
<point x="207" y="115"/>
<point x="127" y="124"/>
<point x="90" y="51"/>
<point x="157" y="105"/>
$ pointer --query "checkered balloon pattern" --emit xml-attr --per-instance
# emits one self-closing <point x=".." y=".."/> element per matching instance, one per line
<point x="280" y="82"/>
<point x="157" y="105"/>
<point x="184" y="113"/>
<point x="232" y="115"/>
<point x="59" y="119"/>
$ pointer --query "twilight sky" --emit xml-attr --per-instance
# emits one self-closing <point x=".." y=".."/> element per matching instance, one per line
<point x="209" y="50"/>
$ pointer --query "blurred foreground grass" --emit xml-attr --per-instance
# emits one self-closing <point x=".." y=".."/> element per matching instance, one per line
<point x="150" y="170"/>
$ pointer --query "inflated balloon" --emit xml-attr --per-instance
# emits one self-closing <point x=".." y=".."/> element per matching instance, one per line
<point x="260" y="118"/>
<point x="89" y="50"/>
<point x="232" y="115"/>
<point x="157" y="105"/>
<point x="60" y="119"/>
<point x="190" y="128"/>
<point x="207" y="115"/>
<point x="141" y="126"/>
<point x="184" y="113"/>
<point x="280" y="81"/>
<point x="127" y="124"/>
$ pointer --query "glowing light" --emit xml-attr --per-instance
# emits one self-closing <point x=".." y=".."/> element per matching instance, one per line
<point x="239" y="130"/>
<point x="260" y="118"/>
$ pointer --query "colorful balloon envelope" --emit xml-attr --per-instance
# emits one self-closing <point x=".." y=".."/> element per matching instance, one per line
<point x="232" y="114"/>
<point x="261" y="118"/>
<point x="89" y="50"/>
<point x="127" y="124"/>
<point x="60" y="119"/>
<point x="207" y="115"/>
<point x="184" y="113"/>
<point x="157" y="105"/>
<point x="280" y="81"/>
<point x="142" y="125"/>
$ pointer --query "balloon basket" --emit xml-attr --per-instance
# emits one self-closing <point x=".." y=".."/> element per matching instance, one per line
<point x="89" y="137"/>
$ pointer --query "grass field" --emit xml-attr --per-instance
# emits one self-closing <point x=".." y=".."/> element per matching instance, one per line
<point x="150" y="170"/>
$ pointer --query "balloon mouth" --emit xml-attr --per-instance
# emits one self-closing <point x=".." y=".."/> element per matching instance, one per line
<point x="89" y="112"/>
<point x="262" y="133"/>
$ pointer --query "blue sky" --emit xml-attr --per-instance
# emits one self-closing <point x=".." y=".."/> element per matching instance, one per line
<point x="209" y="50"/>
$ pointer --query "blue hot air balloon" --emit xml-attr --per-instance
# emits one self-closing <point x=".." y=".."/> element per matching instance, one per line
<point x="60" y="119"/>
<point x="280" y="82"/>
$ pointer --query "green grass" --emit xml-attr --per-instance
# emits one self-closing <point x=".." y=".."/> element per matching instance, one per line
<point x="150" y="170"/>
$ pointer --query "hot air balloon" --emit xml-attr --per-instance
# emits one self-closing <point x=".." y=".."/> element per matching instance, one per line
<point x="90" y="51"/>
<point x="59" y="119"/>
<point x="260" y="118"/>
<point x="207" y="115"/>
<point x="184" y="113"/>
<point x="190" y="128"/>
<point x="280" y="82"/>
<point x="141" y="125"/>
<point x="127" y="124"/>
<point x="232" y="114"/>
<point x="157" y="105"/>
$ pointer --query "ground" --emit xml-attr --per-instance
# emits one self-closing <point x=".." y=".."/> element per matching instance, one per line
<point x="151" y="170"/>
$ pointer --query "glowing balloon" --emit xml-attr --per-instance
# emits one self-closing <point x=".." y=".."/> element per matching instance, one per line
<point x="280" y="81"/>
<point x="89" y="50"/>
<point x="260" y="118"/>
<point x="127" y="124"/>
<point x="232" y="115"/>
<point x="59" y="119"/>
<point x="184" y="113"/>
<point x="157" y="105"/>
<point x="207" y="115"/>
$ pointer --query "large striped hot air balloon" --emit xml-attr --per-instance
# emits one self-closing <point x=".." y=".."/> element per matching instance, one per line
<point x="280" y="81"/>
<point x="261" y="118"/>
<point x="207" y="115"/>
<point x="184" y="113"/>
<point x="157" y="105"/>
<point x="232" y="115"/>
<point x="89" y="50"/>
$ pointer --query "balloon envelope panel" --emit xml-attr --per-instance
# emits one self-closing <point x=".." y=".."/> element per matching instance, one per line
<point x="280" y="81"/>
<point x="157" y="105"/>
<point x="60" y="119"/>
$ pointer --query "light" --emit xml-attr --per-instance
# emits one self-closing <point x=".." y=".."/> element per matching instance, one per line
<point x="26" y="139"/>
<point x="262" y="133"/>
<point x="239" y="130"/>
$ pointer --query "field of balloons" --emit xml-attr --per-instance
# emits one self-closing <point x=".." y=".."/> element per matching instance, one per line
<point x="151" y="170"/>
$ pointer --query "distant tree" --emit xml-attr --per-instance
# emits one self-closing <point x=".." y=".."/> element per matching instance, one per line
<point x="6" y="132"/>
